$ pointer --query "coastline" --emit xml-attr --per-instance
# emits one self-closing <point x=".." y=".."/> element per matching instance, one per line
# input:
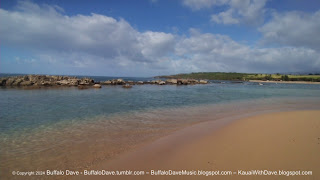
<point x="272" y="141"/>
<point x="285" y="82"/>
<point x="90" y="144"/>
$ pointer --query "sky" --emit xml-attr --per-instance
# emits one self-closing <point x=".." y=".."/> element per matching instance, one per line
<point x="159" y="37"/>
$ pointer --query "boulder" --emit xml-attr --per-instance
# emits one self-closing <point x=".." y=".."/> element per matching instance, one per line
<point x="203" y="82"/>
<point x="26" y="83"/>
<point x="63" y="82"/>
<point x="25" y="78"/>
<point x="140" y="82"/>
<point x="47" y="83"/>
<point x="172" y="81"/>
<point x="74" y="82"/>
<point x="162" y="83"/>
<point x="10" y="81"/>
<point x="3" y="81"/>
<point x="120" y="81"/>
<point x="193" y="81"/>
<point x="97" y="86"/>
<point x="183" y="82"/>
<point x="86" y="81"/>
<point x="107" y="82"/>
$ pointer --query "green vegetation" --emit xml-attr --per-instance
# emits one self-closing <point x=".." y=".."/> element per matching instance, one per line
<point x="245" y="76"/>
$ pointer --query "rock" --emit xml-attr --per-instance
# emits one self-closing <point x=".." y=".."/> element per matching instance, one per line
<point x="26" y="83"/>
<point x="140" y="82"/>
<point x="25" y="78"/>
<point x="203" y="82"/>
<point x="183" y="82"/>
<point x="107" y="82"/>
<point x="86" y="81"/>
<point x="127" y="86"/>
<point x="193" y="81"/>
<point x="172" y="81"/>
<point x="74" y="82"/>
<point x="162" y="83"/>
<point x="63" y="82"/>
<point x="10" y="81"/>
<point x="120" y="81"/>
<point x="43" y="80"/>
<point x="3" y="81"/>
<point x="97" y="86"/>
<point x="47" y="83"/>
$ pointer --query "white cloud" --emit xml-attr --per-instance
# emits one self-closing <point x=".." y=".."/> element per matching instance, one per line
<point x="241" y="11"/>
<point x="225" y="17"/>
<point x="156" y="44"/>
<point x="238" y="11"/>
<point x="294" y="29"/>
<point x="209" y="52"/>
<point x="45" y="29"/>
<point x="101" y="45"/>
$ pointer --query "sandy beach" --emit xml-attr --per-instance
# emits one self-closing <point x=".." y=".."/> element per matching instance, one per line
<point x="285" y="82"/>
<point x="281" y="143"/>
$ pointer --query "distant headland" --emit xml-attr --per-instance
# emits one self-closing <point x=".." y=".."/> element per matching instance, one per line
<point x="233" y="76"/>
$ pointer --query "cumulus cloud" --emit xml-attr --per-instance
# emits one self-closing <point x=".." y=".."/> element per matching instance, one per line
<point x="294" y="29"/>
<point x="101" y="45"/>
<point x="225" y="17"/>
<point x="244" y="11"/>
<point x="44" y="28"/>
<point x="237" y="11"/>
<point x="221" y="53"/>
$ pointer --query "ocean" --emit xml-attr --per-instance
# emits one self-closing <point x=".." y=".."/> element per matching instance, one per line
<point x="68" y="128"/>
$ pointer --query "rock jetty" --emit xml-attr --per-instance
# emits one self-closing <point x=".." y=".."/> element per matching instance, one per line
<point x="158" y="81"/>
<point x="45" y="80"/>
<point x="84" y="83"/>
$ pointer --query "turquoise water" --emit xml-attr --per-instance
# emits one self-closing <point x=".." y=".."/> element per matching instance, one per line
<point x="68" y="128"/>
<point x="32" y="108"/>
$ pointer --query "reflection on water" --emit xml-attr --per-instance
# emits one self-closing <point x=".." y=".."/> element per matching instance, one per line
<point x="73" y="129"/>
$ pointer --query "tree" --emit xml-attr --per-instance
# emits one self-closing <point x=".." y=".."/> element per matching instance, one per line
<point x="268" y="77"/>
<point x="285" y="78"/>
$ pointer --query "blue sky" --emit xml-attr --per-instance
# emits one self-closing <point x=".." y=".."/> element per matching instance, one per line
<point x="155" y="37"/>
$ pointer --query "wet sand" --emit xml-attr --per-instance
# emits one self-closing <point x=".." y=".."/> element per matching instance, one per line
<point x="288" y="141"/>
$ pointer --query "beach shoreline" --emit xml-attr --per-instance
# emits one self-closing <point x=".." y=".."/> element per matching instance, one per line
<point x="90" y="146"/>
<point x="272" y="141"/>
<point x="285" y="82"/>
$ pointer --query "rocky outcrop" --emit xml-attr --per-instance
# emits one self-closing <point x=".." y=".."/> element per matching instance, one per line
<point x="38" y="81"/>
<point x="114" y="82"/>
<point x="107" y="83"/>
<point x="157" y="81"/>
<point x="172" y="81"/>
<point x="44" y="80"/>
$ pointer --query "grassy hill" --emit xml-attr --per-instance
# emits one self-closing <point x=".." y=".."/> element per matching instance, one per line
<point x="244" y="76"/>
